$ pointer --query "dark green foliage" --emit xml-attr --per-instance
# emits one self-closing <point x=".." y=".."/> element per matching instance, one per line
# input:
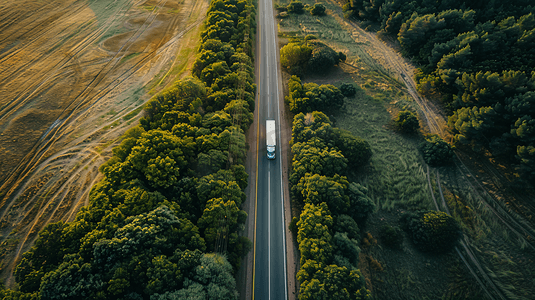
<point x="526" y="155"/>
<point x="407" y="121"/>
<point x="296" y="7"/>
<point x="329" y="250"/>
<point x="317" y="9"/>
<point x="323" y="58"/>
<point x="341" y="57"/>
<point x="321" y="281"/>
<point x="347" y="224"/>
<point x="478" y="57"/>
<point x="348" y="89"/>
<point x="436" y="151"/>
<point x="211" y="279"/>
<point x="391" y="236"/>
<point x="432" y="231"/>
<point x="331" y="190"/>
<point x="310" y="56"/>
<point x="357" y="151"/>
<point x="346" y="248"/>
<point x="143" y="256"/>
<point x="360" y="205"/>
<point x="309" y="97"/>
<point x="294" y="55"/>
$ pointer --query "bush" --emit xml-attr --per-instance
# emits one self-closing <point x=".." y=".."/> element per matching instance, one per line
<point x="296" y="7"/>
<point x="317" y="10"/>
<point x="323" y="58"/>
<point x="295" y="54"/>
<point x="341" y="56"/>
<point x="348" y="89"/>
<point x="432" y="231"/>
<point x="436" y="151"/>
<point x="407" y="121"/>
<point x="391" y="236"/>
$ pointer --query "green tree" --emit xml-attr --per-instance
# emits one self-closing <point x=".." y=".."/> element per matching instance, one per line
<point x="348" y="89"/>
<point x="432" y="231"/>
<point x="295" y="54"/>
<point x="346" y="224"/>
<point x="323" y="58"/>
<point x="310" y="159"/>
<point x="159" y="157"/>
<point x="407" y="121"/>
<point x="526" y="155"/>
<point x="436" y="151"/>
<point x="212" y="279"/>
<point x="296" y="7"/>
<point x="317" y="9"/>
<point x="219" y="218"/>
<point x="346" y="250"/>
<point x="321" y="281"/>
<point x="357" y="151"/>
<point x="317" y="189"/>
<point x="471" y="124"/>
<point x="360" y="205"/>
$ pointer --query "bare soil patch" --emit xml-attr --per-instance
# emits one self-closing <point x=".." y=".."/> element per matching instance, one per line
<point x="72" y="78"/>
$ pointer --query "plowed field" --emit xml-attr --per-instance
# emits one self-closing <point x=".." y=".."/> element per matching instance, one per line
<point x="73" y="77"/>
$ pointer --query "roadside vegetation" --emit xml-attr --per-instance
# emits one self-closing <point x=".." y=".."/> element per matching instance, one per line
<point x="163" y="222"/>
<point x="413" y="172"/>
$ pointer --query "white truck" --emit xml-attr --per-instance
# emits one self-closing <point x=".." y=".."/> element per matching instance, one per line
<point x="271" y="140"/>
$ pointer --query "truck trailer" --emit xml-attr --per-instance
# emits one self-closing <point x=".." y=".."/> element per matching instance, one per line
<point x="271" y="140"/>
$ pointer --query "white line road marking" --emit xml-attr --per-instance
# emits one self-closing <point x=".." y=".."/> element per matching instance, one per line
<point x="269" y="234"/>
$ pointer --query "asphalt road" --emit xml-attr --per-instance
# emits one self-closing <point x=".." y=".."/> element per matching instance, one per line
<point x="269" y="277"/>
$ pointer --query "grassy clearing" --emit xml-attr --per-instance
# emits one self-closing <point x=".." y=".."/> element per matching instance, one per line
<point x="505" y="255"/>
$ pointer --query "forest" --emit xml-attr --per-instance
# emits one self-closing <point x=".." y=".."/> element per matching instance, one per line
<point x="163" y="221"/>
<point x="478" y="57"/>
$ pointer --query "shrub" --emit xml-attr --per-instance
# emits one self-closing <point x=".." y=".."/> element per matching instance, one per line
<point x="323" y="58"/>
<point x="341" y="56"/>
<point x="295" y="54"/>
<point x="432" y="231"/>
<point x="348" y="89"/>
<point x="391" y="236"/>
<point x="317" y="10"/>
<point x="407" y="121"/>
<point x="296" y="7"/>
<point x="436" y="151"/>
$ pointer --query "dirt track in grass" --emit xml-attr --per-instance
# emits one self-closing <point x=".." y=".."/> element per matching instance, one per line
<point x="73" y="78"/>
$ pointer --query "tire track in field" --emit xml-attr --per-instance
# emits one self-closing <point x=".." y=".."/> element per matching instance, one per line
<point x="57" y="191"/>
<point x="25" y="96"/>
<point x="41" y="83"/>
<point x="27" y="165"/>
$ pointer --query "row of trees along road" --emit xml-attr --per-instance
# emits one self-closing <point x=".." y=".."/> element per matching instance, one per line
<point x="331" y="206"/>
<point x="479" y="57"/>
<point x="163" y="221"/>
